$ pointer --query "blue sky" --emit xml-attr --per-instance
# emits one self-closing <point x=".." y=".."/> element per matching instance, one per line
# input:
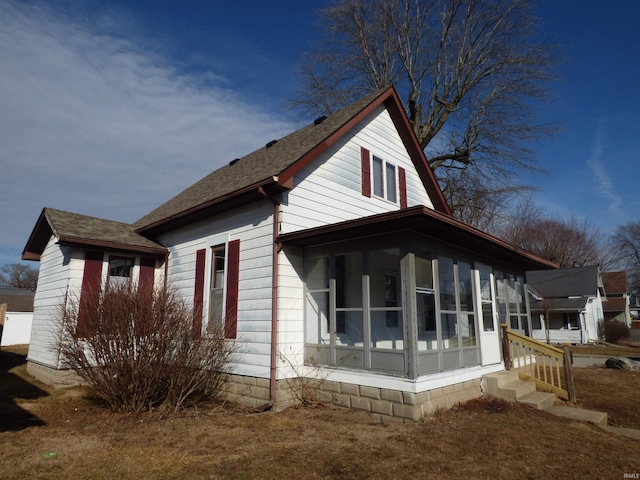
<point x="109" y="108"/>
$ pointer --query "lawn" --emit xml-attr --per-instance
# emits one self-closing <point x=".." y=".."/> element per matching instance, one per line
<point x="49" y="434"/>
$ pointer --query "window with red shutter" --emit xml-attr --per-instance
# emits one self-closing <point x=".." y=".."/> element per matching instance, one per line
<point x="365" y="161"/>
<point x="233" y="277"/>
<point x="198" y="293"/>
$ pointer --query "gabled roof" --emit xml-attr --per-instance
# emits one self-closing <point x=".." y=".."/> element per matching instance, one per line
<point x="17" y="299"/>
<point x="425" y="221"/>
<point x="271" y="168"/>
<point x="566" y="282"/>
<point x="81" y="230"/>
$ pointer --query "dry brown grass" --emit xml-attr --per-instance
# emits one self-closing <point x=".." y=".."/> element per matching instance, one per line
<point x="481" y="439"/>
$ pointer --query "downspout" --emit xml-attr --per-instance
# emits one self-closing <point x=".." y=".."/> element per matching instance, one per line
<point x="274" y="304"/>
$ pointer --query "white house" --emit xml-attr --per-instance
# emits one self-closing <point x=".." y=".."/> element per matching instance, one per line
<point x="568" y="304"/>
<point x="17" y="315"/>
<point x="330" y="252"/>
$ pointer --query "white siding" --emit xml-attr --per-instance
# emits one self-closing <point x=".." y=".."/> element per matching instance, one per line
<point x="60" y="270"/>
<point x="253" y="226"/>
<point x="328" y="190"/>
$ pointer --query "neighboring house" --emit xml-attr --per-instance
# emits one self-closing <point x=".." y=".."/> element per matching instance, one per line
<point x="616" y="306"/>
<point x="330" y="253"/>
<point x="16" y="325"/>
<point x="566" y="304"/>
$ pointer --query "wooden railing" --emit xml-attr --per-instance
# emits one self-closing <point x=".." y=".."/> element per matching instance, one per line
<point x="538" y="362"/>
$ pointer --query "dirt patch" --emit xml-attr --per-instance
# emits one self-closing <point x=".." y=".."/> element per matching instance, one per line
<point x="616" y="392"/>
<point x="483" y="438"/>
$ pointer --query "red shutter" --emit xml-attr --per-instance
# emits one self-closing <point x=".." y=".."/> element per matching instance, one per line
<point x="365" y="161"/>
<point x="402" y="183"/>
<point x="90" y="293"/>
<point x="233" y="277"/>
<point x="147" y="273"/>
<point x="198" y="294"/>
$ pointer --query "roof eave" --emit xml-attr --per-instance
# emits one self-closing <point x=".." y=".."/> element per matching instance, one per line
<point x="106" y="245"/>
<point x="243" y="196"/>
<point x="414" y="218"/>
<point x="36" y="243"/>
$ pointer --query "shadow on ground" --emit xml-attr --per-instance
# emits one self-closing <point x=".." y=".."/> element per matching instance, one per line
<point x="13" y="390"/>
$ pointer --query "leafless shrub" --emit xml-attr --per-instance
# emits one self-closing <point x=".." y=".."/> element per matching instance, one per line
<point x="616" y="331"/>
<point x="138" y="348"/>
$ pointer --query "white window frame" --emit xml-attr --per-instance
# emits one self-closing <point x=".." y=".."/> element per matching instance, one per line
<point x="384" y="179"/>
<point x="212" y="243"/>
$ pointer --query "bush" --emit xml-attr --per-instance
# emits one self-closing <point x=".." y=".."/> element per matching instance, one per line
<point x="139" y="350"/>
<point x="615" y="331"/>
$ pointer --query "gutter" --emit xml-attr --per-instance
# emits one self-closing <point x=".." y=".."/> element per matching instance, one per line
<point x="277" y="247"/>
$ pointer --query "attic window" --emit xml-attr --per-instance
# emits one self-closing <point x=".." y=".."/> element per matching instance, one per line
<point x="319" y="120"/>
<point x="271" y="143"/>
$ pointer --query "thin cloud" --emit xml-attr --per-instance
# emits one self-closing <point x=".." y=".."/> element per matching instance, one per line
<point x="97" y="122"/>
<point x="604" y="185"/>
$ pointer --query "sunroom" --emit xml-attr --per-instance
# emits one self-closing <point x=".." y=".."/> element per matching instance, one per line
<point x="409" y="293"/>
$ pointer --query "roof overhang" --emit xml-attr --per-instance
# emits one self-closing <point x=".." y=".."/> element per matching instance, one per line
<point x="44" y="229"/>
<point x="425" y="221"/>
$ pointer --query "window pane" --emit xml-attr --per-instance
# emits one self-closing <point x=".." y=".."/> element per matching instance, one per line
<point x="217" y="266"/>
<point x="427" y="334"/>
<point x="512" y="295"/>
<point x="521" y="298"/>
<point x="424" y="273"/>
<point x="535" y="321"/>
<point x="485" y="282"/>
<point x="391" y="182"/>
<point x="349" y="280"/>
<point x="318" y="273"/>
<point x="467" y="329"/>
<point x="387" y="330"/>
<point x="216" y="301"/>
<point x="384" y="277"/>
<point x="216" y="290"/>
<point x="464" y="286"/>
<point x="449" y="329"/>
<point x="487" y="317"/>
<point x="120" y="266"/>
<point x="349" y="329"/>
<point x="447" y="284"/>
<point x="376" y="172"/>
<point x="317" y="317"/>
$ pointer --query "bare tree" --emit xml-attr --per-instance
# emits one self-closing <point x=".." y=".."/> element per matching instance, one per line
<point x="478" y="201"/>
<point x="569" y="243"/>
<point x="18" y="275"/>
<point x="468" y="71"/>
<point x="625" y="243"/>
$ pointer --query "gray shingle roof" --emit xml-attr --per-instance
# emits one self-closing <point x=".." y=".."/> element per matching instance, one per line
<point x="77" y="229"/>
<point x="565" y="282"/>
<point x="260" y="166"/>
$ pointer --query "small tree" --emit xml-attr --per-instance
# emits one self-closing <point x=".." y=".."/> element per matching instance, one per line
<point x="137" y="348"/>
